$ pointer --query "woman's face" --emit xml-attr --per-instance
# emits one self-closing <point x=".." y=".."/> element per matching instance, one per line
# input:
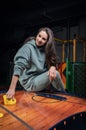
<point x="41" y="38"/>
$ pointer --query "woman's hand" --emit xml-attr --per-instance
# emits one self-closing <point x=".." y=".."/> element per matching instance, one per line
<point x="10" y="93"/>
<point x="52" y="73"/>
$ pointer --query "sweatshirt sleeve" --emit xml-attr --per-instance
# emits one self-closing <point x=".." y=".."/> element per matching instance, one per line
<point x="21" y="60"/>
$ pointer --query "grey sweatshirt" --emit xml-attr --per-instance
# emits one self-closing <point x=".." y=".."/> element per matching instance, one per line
<point x="29" y="62"/>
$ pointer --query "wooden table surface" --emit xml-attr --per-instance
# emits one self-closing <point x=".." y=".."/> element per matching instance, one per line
<point x="36" y="112"/>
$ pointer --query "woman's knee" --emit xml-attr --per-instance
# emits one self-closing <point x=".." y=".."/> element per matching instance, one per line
<point x="58" y="74"/>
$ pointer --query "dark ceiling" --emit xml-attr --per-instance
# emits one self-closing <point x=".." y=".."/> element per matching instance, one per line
<point x="39" y="12"/>
<point x="32" y="14"/>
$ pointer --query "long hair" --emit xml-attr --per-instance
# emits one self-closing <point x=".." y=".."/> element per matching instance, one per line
<point x="50" y="53"/>
<point x="50" y="47"/>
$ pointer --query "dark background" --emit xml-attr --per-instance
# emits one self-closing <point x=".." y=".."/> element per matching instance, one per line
<point x="20" y="19"/>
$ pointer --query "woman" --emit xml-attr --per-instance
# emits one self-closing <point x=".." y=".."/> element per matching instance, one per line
<point x="35" y="64"/>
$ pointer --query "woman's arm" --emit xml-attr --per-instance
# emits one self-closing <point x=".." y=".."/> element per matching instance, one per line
<point x="52" y="73"/>
<point x="11" y="92"/>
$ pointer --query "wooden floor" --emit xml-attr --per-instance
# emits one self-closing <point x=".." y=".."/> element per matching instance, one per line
<point x="36" y="112"/>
